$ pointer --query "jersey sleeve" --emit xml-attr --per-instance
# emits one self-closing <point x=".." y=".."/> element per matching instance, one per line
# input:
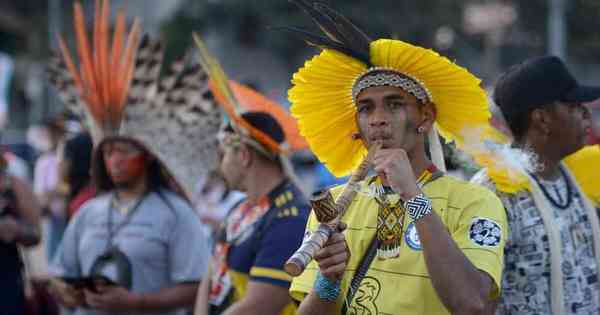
<point x="480" y="230"/>
<point x="280" y="238"/>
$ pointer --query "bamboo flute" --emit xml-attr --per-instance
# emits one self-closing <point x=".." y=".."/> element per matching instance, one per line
<point x="329" y="214"/>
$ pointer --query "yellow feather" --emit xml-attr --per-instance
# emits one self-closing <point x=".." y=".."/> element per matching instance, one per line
<point x="584" y="166"/>
<point x="218" y="76"/>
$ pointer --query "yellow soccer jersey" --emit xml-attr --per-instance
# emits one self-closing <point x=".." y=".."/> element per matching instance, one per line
<point x="402" y="285"/>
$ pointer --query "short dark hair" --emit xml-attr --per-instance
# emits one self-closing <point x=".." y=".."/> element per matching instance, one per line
<point x="538" y="82"/>
<point x="518" y="125"/>
<point x="156" y="176"/>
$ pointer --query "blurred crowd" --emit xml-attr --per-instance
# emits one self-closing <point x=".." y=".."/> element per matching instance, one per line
<point x="195" y="203"/>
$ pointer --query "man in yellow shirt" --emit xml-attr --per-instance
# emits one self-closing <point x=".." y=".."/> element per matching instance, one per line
<point x="417" y="241"/>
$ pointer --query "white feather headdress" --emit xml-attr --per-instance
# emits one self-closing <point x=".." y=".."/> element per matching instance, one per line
<point x="118" y="91"/>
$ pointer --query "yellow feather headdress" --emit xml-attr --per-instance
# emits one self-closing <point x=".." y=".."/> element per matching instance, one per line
<point x="322" y="92"/>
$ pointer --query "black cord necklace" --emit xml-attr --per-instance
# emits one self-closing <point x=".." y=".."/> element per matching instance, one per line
<point x="554" y="202"/>
<point x="111" y="208"/>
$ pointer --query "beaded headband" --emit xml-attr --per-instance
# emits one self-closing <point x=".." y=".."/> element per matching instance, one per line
<point x="234" y="139"/>
<point x="377" y="76"/>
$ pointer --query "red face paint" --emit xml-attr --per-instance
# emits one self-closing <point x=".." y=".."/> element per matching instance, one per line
<point x="124" y="165"/>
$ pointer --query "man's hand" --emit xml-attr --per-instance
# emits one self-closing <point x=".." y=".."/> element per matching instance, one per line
<point x="66" y="294"/>
<point x="113" y="299"/>
<point x="9" y="229"/>
<point x="334" y="256"/>
<point x="395" y="166"/>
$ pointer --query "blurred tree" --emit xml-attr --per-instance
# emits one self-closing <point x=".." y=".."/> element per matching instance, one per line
<point x="251" y="23"/>
<point x="413" y="21"/>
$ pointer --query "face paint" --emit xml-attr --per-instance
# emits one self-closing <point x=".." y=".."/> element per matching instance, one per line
<point x="127" y="169"/>
<point x="124" y="164"/>
<point x="409" y="132"/>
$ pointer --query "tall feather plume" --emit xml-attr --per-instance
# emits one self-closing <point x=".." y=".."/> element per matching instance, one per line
<point x="117" y="88"/>
<point x="218" y="78"/>
<point x="170" y="80"/>
<point x="105" y="71"/>
<point x="145" y="81"/>
<point x="220" y="85"/>
<point x="341" y="34"/>
<point x="175" y="117"/>
<point x="65" y="85"/>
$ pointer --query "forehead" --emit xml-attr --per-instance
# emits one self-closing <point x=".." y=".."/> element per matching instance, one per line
<point x="122" y="145"/>
<point x="378" y="92"/>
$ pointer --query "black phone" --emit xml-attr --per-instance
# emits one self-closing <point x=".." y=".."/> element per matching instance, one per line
<point x="90" y="282"/>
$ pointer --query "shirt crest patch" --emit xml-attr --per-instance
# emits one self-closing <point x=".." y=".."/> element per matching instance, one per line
<point x="411" y="237"/>
<point x="485" y="232"/>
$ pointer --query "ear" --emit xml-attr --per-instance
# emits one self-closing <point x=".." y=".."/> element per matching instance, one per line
<point x="428" y="115"/>
<point x="541" y="120"/>
<point x="245" y="155"/>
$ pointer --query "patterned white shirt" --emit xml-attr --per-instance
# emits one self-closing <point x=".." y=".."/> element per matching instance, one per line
<point x="526" y="277"/>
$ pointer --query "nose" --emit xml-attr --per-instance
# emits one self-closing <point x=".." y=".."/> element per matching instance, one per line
<point x="378" y="117"/>
<point x="115" y="159"/>
<point x="586" y="115"/>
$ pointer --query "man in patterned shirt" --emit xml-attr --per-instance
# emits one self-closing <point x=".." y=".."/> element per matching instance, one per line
<point x="551" y="254"/>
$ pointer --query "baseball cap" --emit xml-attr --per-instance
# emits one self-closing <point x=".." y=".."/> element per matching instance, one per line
<point x="538" y="82"/>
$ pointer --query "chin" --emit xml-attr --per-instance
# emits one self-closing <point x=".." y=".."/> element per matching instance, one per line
<point x="230" y="184"/>
<point x="580" y="144"/>
<point x="122" y="183"/>
<point x="385" y="144"/>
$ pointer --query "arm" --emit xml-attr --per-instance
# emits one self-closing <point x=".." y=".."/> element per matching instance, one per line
<point x="313" y="305"/>
<point x="333" y="260"/>
<point x="465" y="290"/>
<point x="28" y="231"/>
<point x="118" y="299"/>
<point x="181" y="295"/>
<point x="267" y="291"/>
<point x="201" y="305"/>
<point x="66" y="264"/>
<point x="261" y="299"/>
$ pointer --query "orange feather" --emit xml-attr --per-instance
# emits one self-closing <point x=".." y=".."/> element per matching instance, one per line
<point x="86" y="63"/>
<point x="69" y="63"/>
<point x="252" y="100"/>
<point x="96" y="51"/>
<point x="117" y="48"/>
<point x="237" y="119"/>
<point x="103" y="65"/>
<point x="105" y="70"/>
<point x="129" y="62"/>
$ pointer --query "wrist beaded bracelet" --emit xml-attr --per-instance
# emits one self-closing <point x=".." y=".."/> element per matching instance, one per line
<point x="326" y="289"/>
<point x="418" y="207"/>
